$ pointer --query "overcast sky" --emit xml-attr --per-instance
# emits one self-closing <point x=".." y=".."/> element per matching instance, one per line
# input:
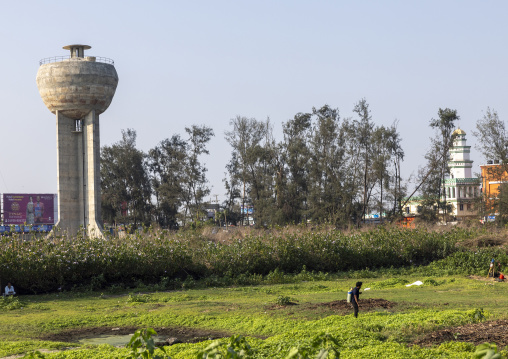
<point x="204" y="62"/>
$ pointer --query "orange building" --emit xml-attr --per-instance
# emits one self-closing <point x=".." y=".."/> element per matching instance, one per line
<point x="493" y="175"/>
<point x="407" y="222"/>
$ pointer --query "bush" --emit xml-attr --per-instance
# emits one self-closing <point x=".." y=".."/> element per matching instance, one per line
<point x="165" y="260"/>
<point x="11" y="303"/>
<point x="283" y="300"/>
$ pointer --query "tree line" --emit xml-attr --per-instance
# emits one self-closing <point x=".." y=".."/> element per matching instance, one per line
<point x="166" y="186"/>
<point x="325" y="169"/>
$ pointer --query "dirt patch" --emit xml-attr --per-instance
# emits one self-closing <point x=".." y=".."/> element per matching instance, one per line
<point x="278" y="306"/>
<point x="340" y="305"/>
<point x="491" y="332"/>
<point x="183" y="335"/>
<point x="364" y="304"/>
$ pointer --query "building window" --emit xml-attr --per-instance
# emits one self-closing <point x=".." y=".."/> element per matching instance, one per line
<point x="407" y="209"/>
<point x="461" y="208"/>
<point x="453" y="192"/>
<point x="468" y="206"/>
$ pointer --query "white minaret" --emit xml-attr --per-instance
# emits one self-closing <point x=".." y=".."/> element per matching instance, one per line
<point x="460" y="163"/>
<point x="461" y="187"/>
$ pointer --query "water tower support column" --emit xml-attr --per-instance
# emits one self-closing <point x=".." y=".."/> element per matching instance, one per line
<point x="92" y="189"/>
<point x="70" y="174"/>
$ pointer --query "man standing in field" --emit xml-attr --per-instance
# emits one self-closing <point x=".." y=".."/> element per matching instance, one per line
<point x="356" y="297"/>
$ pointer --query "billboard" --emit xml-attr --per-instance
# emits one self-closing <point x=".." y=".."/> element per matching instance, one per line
<point x="28" y="208"/>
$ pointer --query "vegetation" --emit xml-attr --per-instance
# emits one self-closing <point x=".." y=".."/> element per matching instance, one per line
<point x="432" y="176"/>
<point x="177" y="259"/>
<point x="142" y="345"/>
<point x="124" y="181"/>
<point x="171" y="172"/>
<point x="325" y="170"/>
<point x="307" y="330"/>
<point x="266" y="294"/>
<point x="493" y="144"/>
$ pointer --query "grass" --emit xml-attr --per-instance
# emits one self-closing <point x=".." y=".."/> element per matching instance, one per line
<point x="444" y="301"/>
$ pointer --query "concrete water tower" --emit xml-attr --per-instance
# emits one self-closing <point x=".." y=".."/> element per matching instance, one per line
<point x="77" y="89"/>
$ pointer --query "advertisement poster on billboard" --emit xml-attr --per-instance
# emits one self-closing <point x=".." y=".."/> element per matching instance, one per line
<point x="28" y="208"/>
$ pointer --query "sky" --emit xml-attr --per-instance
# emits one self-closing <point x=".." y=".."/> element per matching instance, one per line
<point x="205" y="62"/>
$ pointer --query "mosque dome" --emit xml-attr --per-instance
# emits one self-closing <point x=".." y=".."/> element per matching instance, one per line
<point x="458" y="131"/>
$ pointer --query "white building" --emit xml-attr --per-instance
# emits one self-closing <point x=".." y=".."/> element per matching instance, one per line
<point x="461" y="187"/>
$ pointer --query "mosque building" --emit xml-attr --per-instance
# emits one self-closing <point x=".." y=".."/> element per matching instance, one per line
<point x="461" y="188"/>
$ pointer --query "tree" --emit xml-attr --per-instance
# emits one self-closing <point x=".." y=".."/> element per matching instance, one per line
<point x="194" y="182"/>
<point x="398" y="157"/>
<point x="364" y="130"/>
<point x="501" y="205"/>
<point x="124" y="182"/>
<point x="325" y="169"/>
<point x="493" y="144"/>
<point x="263" y="171"/>
<point x="445" y="126"/>
<point x="292" y="178"/>
<point x="166" y="163"/>
<point x="492" y="137"/>
<point x="493" y="141"/>
<point x="253" y="145"/>
<point x="233" y="185"/>
<point x="387" y="150"/>
<point x="352" y="208"/>
<point x="326" y="159"/>
<point x="436" y="170"/>
<point x="387" y="166"/>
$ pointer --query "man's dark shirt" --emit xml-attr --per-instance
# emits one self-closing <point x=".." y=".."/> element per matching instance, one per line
<point x="355" y="292"/>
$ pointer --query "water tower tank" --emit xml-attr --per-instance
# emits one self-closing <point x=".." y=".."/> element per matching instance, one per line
<point x="75" y="85"/>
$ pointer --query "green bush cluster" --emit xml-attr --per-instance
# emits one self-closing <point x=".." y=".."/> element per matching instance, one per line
<point x="45" y="265"/>
<point x="170" y="260"/>
<point x="10" y="303"/>
<point x="472" y="262"/>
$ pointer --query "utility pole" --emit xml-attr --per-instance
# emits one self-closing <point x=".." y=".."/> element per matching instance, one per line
<point x="215" y="210"/>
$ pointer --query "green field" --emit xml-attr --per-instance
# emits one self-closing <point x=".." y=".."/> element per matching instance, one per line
<point x="283" y="290"/>
<point x="252" y="311"/>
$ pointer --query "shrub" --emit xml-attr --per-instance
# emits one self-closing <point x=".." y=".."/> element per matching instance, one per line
<point x="283" y="300"/>
<point x="236" y="348"/>
<point x="142" y="345"/>
<point x="11" y="303"/>
<point x="165" y="260"/>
